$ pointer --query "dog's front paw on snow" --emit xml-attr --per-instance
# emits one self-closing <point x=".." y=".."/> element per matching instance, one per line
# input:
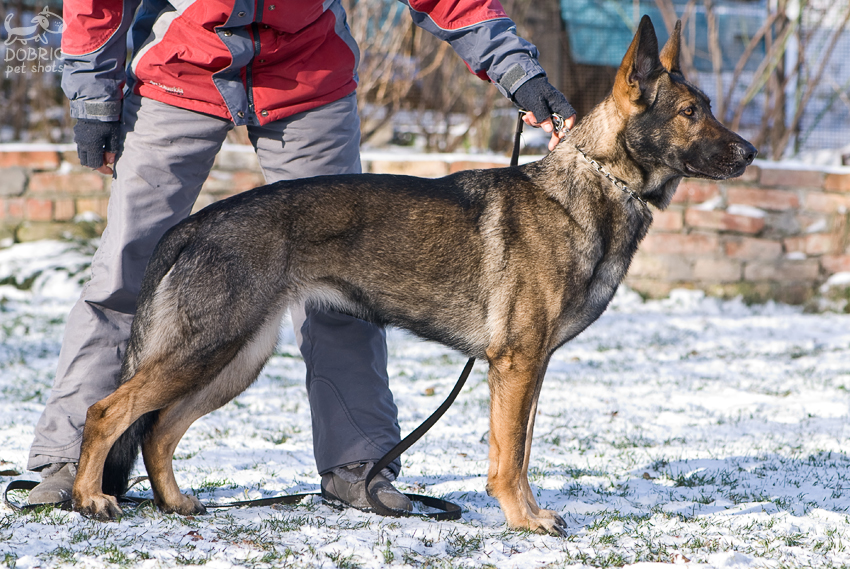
<point x="545" y="521"/>
<point x="98" y="506"/>
<point x="186" y="506"/>
<point x="549" y="522"/>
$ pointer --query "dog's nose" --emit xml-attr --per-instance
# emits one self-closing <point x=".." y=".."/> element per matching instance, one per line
<point x="746" y="151"/>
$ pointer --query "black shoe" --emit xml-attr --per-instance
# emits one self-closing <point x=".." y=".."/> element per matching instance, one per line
<point x="347" y="484"/>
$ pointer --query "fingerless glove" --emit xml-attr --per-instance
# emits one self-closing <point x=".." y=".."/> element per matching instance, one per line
<point x="541" y="98"/>
<point x="93" y="138"/>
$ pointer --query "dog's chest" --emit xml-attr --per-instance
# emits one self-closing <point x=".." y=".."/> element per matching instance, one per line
<point x="601" y="277"/>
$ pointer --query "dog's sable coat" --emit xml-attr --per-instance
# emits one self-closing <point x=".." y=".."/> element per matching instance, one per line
<point x="504" y="265"/>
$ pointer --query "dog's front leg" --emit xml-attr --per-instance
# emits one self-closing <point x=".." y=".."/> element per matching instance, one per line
<point x="514" y="387"/>
<point x="560" y="524"/>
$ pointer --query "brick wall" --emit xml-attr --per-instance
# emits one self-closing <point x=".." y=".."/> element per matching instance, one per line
<point x="777" y="232"/>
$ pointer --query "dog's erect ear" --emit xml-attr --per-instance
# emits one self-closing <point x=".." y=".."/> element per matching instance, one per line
<point x="635" y="84"/>
<point x="670" y="51"/>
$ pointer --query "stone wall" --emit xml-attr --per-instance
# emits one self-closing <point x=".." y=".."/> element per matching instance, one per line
<point x="778" y="232"/>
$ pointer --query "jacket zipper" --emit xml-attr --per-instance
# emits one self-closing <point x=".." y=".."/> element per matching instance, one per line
<point x="249" y="71"/>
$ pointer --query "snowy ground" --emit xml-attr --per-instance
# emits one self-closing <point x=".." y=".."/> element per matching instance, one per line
<point x="686" y="431"/>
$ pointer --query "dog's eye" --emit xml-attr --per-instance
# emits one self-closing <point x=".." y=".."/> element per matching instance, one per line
<point x="689" y="111"/>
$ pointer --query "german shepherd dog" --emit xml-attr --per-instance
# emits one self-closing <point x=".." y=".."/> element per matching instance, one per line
<point x="504" y="265"/>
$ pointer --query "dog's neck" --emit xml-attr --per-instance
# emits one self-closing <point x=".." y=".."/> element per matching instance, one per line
<point x="617" y="183"/>
<point x="597" y="138"/>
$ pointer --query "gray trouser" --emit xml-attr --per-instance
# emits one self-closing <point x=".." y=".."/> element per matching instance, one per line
<point x="166" y="156"/>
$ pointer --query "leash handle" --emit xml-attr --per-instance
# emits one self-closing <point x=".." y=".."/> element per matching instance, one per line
<point x="28" y="485"/>
<point x="407" y="442"/>
<point x="64" y="504"/>
<point x="558" y="122"/>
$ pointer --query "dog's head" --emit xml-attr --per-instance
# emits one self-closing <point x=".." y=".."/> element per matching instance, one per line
<point x="668" y="127"/>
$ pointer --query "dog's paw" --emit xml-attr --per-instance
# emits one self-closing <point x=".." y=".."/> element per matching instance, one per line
<point x="545" y="521"/>
<point x="98" y="506"/>
<point x="551" y="523"/>
<point x="187" y="506"/>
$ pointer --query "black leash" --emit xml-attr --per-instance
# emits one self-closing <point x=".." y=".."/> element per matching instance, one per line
<point x="451" y="511"/>
<point x="446" y="510"/>
<point x="517" y="139"/>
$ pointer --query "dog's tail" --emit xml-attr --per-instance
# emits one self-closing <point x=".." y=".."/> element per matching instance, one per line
<point x="122" y="457"/>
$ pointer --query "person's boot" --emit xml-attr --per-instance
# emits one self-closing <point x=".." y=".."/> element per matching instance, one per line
<point x="347" y="484"/>
<point x="57" y="480"/>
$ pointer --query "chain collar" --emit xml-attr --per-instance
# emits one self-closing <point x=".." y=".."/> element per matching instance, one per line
<point x="617" y="183"/>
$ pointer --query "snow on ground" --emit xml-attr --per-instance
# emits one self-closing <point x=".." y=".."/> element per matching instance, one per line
<point x="687" y="430"/>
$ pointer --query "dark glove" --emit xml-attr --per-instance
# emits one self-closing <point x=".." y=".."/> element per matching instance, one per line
<point x="93" y="138"/>
<point x="541" y="98"/>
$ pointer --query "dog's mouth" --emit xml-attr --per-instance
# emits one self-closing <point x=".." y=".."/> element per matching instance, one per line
<point x="695" y="172"/>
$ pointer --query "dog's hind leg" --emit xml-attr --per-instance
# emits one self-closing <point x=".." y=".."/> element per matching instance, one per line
<point x="173" y="421"/>
<point x="514" y="387"/>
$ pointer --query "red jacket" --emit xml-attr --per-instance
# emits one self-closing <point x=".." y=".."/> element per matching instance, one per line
<point x="256" y="61"/>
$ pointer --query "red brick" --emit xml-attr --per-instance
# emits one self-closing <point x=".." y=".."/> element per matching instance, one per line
<point x="97" y="205"/>
<point x="791" y="178"/>
<point x="751" y="249"/>
<point x="805" y="220"/>
<point x="72" y="183"/>
<point x="668" y="268"/>
<point x="812" y="244"/>
<point x="692" y="191"/>
<point x="39" y="160"/>
<point x="783" y="271"/>
<point x="821" y="243"/>
<point x="827" y="203"/>
<point x="677" y="244"/>
<point x="723" y="221"/>
<point x="72" y="158"/>
<point x="472" y="165"/>
<point x="759" y="197"/>
<point x="795" y="244"/>
<point x="39" y="210"/>
<point x="244" y="181"/>
<point x="651" y="287"/>
<point x="751" y="174"/>
<point x="63" y="210"/>
<point x="15" y="208"/>
<point x="717" y="270"/>
<point x="424" y="168"/>
<point x="669" y="220"/>
<point x="836" y="263"/>
<point x="837" y="183"/>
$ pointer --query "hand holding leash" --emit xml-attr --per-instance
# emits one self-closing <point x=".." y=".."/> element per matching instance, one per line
<point x="540" y="99"/>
